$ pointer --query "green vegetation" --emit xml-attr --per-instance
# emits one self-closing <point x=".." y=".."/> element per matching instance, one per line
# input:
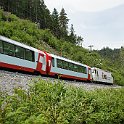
<point x="115" y="60"/>
<point x="47" y="103"/>
<point x="37" y="12"/>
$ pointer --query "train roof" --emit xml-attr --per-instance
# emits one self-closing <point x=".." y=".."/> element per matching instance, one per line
<point x="68" y="60"/>
<point x="100" y="69"/>
<point x="17" y="43"/>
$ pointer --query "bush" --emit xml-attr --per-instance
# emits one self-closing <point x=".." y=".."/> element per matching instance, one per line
<point x="47" y="103"/>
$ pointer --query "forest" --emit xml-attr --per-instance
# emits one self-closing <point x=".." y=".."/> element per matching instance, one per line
<point x="37" y="12"/>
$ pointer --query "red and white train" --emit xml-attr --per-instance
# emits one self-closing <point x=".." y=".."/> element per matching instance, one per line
<point x="18" y="56"/>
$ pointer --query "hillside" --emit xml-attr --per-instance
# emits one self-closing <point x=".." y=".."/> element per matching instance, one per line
<point x="29" y="33"/>
<point x="115" y="60"/>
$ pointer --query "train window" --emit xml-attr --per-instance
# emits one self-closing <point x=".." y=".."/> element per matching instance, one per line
<point x="84" y="70"/>
<point x="1" y="47"/>
<point x="65" y="65"/>
<point x="59" y="63"/>
<point x="8" y="49"/>
<point x="19" y="52"/>
<point x="97" y="73"/>
<point x="29" y="55"/>
<point x="53" y="62"/>
<point x="80" y="69"/>
<point x="71" y="66"/>
<point x="75" y="68"/>
<point x="105" y="76"/>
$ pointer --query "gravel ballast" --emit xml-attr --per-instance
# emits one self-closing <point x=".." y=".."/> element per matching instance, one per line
<point x="11" y="80"/>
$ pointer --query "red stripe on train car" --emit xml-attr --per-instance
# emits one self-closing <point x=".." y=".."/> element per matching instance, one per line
<point x="68" y="76"/>
<point x="16" y="67"/>
<point x="73" y="77"/>
<point x="20" y="68"/>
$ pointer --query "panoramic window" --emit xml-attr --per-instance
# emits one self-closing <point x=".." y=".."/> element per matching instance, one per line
<point x="59" y="63"/>
<point x="75" y="67"/>
<point x="71" y="66"/>
<point x="20" y="52"/>
<point x="1" y="47"/>
<point x="8" y="49"/>
<point x="65" y="65"/>
<point x="16" y="51"/>
<point x="79" y="68"/>
<point x="29" y="55"/>
<point x="84" y="70"/>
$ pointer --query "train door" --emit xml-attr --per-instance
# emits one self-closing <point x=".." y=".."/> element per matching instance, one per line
<point x="49" y="60"/>
<point x="50" y="67"/>
<point x="97" y="74"/>
<point x="41" y="63"/>
<point x="48" y="64"/>
<point x="89" y="74"/>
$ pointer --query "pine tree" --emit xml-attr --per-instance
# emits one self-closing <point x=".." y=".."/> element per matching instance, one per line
<point x="72" y="36"/>
<point x="122" y="57"/>
<point x="79" y="40"/>
<point x="55" y="23"/>
<point x="5" y="4"/>
<point x="63" y="21"/>
<point x="44" y="16"/>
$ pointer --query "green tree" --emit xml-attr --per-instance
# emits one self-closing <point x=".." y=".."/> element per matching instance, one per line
<point x="79" y="40"/>
<point x="55" y="23"/>
<point x="72" y="36"/>
<point x="122" y="57"/>
<point x="63" y="21"/>
<point x="44" y="18"/>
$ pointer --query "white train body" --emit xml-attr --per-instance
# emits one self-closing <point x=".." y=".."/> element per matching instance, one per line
<point x="99" y="75"/>
<point x="19" y="56"/>
<point x="66" y="68"/>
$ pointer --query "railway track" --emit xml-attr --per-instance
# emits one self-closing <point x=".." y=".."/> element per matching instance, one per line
<point x="10" y="80"/>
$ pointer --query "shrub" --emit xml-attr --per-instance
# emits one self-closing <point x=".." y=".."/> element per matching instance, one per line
<point x="47" y="103"/>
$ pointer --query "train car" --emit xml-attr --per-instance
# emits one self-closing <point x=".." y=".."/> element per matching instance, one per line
<point x="65" y="68"/>
<point x="102" y="76"/>
<point x="15" y="55"/>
